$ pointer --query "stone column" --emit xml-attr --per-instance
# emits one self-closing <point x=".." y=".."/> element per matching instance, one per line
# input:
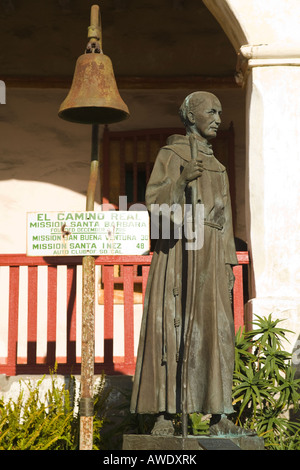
<point x="271" y="77"/>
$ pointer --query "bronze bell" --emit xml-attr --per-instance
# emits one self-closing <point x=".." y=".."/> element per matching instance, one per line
<point x="94" y="97"/>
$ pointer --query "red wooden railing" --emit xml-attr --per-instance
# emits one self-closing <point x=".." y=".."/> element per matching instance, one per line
<point x="12" y="322"/>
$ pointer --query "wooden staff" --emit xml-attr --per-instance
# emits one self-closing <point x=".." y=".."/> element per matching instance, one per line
<point x="184" y="384"/>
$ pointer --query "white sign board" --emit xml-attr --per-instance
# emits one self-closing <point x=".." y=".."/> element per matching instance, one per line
<point x="88" y="233"/>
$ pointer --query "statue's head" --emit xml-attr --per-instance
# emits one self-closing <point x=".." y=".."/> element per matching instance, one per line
<point x="200" y="113"/>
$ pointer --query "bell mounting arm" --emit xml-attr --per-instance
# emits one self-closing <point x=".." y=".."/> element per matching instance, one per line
<point x="95" y="31"/>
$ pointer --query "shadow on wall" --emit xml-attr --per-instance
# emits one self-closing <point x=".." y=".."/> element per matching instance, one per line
<point x="38" y="146"/>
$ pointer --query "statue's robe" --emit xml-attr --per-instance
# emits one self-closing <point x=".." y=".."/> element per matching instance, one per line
<point x="157" y="382"/>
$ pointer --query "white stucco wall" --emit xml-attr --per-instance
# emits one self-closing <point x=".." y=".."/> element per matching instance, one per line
<point x="268" y="21"/>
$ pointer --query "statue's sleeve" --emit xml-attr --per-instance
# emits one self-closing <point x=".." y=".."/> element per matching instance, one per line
<point x="230" y="250"/>
<point x="163" y="187"/>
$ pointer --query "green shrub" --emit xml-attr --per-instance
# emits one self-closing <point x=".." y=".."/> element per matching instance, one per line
<point x="49" y="422"/>
<point x="265" y="388"/>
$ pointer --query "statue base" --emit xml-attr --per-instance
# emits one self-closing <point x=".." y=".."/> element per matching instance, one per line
<point x="231" y="442"/>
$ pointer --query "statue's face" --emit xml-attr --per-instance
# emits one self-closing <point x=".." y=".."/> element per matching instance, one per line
<point x="206" y="117"/>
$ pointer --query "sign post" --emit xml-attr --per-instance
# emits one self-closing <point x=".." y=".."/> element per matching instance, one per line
<point x="88" y="316"/>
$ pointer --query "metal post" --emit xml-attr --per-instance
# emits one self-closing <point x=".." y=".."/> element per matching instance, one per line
<point x="88" y="315"/>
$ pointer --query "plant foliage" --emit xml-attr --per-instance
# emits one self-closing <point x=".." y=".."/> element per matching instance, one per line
<point x="47" y="422"/>
<point x="265" y="388"/>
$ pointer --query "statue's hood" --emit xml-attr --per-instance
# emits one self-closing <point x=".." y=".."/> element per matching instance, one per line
<point x="180" y="145"/>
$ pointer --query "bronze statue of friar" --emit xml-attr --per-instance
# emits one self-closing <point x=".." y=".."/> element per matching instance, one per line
<point x="188" y="291"/>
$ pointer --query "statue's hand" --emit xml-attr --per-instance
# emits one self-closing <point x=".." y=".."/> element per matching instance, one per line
<point x="192" y="170"/>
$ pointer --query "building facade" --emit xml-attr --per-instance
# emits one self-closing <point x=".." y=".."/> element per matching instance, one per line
<point x="246" y="52"/>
